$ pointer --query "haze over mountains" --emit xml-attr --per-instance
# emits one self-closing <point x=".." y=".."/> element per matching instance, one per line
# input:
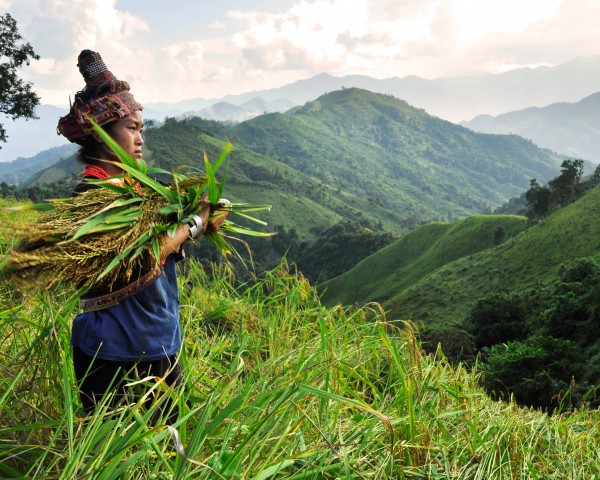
<point x="571" y="129"/>
<point x="455" y="99"/>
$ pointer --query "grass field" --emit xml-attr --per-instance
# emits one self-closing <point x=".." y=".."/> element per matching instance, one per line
<point x="276" y="386"/>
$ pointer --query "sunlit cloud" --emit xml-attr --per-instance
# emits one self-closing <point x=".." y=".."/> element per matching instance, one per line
<point x="248" y="49"/>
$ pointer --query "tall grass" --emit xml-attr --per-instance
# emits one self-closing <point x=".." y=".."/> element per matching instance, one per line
<point x="276" y="386"/>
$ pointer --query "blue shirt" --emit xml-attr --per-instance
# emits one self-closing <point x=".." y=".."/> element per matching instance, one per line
<point x="144" y="326"/>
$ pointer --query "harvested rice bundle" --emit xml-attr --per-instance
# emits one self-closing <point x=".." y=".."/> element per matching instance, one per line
<point x="105" y="235"/>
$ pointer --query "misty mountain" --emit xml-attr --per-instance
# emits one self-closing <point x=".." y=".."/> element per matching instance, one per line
<point x="228" y="112"/>
<point x="571" y="129"/>
<point x="455" y="99"/>
<point x="21" y="169"/>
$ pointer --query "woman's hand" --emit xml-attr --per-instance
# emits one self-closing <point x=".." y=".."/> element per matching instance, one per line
<point x="204" y="210"/>
<point x="218" y="216"/>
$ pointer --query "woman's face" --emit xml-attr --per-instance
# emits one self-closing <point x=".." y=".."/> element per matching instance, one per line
<point x="127" y="132"/>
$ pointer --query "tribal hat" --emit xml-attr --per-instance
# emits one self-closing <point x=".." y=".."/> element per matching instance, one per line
<point x="103" y="99"/>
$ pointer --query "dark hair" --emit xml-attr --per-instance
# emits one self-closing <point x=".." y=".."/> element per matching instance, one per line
<point x="90" y="147"/>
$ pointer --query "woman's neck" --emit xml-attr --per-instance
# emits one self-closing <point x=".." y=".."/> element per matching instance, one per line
<point x="106" y="165"/>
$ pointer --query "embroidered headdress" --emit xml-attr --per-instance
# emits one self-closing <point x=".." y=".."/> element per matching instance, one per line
<point x="104" y="99"/>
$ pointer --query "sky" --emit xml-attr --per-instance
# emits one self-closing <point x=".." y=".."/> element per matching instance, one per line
<point x="173" y="50"/>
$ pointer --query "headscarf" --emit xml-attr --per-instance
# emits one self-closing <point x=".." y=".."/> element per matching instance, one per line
<point x="103" y="99"/>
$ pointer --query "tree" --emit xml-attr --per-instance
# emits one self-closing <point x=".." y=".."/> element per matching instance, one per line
<point x="496" y="318"/>
<point x="567" y="188"/>
<point x="538" y="200"/>
<point x="16" y="97"/>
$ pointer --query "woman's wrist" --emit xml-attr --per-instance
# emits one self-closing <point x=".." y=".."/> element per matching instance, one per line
<point x="196" y="226"/>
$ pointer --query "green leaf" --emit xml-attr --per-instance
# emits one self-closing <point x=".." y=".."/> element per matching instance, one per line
<point x="142" y="165"/>
<point x="170" y="209"/>
<point x="139" y="244"/>
<point x="273" y="469"/>
<point x="110" y="185"/>
<point x="172" y="229"/>
<point x="255" y="220"/>
<point x="94" y="224"/>
<point x="245" y="231"/>
<point x="148" y="182"/>
<point x="38" y="207"/>
<point x="213" y="194"/>
<point x="155" y="248"/>
<point x="119" y="202"/>
<point x="224" y="179"/>
<point x="223" y="155"/>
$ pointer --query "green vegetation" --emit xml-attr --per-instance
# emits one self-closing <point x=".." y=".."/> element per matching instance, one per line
<point x="444" y="292"/>
<point x="541" y="344"/>
<point x="349" y="158"/>
<point x="417" y="255"/>
<point x="528" y="303"/>
<point x="277" y="386"/>
<point x="381" y="148"/>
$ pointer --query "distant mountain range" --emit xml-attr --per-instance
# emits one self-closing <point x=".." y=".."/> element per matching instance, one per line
<point x="228" y="112"/>
<point x="572" y="129"/>
<point x="20" y="170"/>
<point x="455" y="99"/>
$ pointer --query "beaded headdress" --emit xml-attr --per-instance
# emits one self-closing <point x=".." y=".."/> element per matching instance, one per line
<point x="103" y="99"/>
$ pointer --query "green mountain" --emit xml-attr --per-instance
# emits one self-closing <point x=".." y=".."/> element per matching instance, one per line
<point x="431" y="278"/>
<point x="569" y="128"/>
<point x="298" y="200"/>
<point x="397" y="156"/>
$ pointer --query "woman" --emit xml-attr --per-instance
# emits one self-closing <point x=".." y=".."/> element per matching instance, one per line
<point x="133" y="327"/>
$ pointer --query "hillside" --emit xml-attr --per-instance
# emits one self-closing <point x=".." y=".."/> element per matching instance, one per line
<point x="398" y="156"/>
<point x="446" y="293"/>
<point x="568" y="128"/>
<point x="298" y="200"/>
<point x="416" y="255"/>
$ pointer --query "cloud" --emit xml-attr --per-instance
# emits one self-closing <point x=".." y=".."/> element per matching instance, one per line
<point x="217" y="26"/>
<point x="58" y="30"/>
<point x="425" y="37"/>
<point x="243" y="50"/>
